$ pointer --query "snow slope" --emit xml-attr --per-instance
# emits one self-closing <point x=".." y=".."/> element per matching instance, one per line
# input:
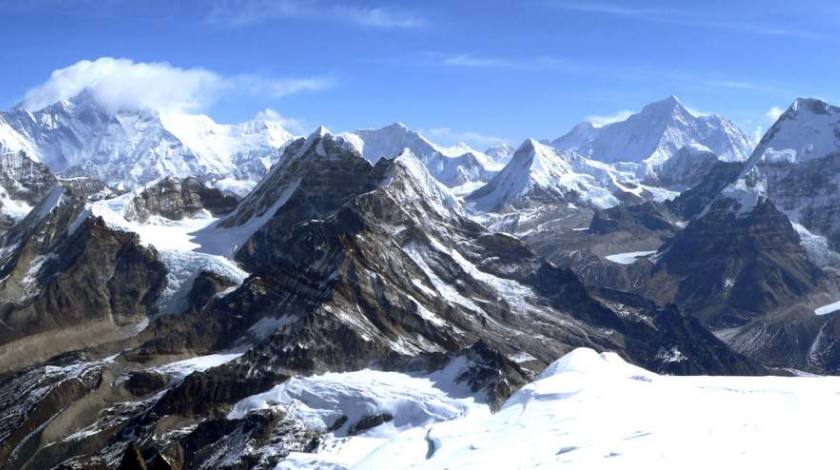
<point x="654" y="134"/>
<point x="178" y="244"/>
<point x="590" y="410"/>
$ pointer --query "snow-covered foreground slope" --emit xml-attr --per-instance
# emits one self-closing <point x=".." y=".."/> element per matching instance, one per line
<point x="590" y="410"/>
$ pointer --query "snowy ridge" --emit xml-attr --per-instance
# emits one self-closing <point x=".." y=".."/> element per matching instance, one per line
<point x="453" y="166"/>
<point x="654" y="134"/>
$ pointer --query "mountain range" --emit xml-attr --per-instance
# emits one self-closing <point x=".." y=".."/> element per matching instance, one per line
<point x="178" y="293"/>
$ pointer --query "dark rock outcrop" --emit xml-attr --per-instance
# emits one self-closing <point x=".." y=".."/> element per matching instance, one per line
<point x="692" y="201"/>
<point x="176" y="199"/>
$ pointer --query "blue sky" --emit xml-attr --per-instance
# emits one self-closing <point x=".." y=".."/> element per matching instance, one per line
<point x="480" y="71"/>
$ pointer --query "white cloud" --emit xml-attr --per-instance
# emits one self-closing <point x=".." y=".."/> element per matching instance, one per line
<point x="757" y="134"/>
<point x="468" y="60"/>
<point x="773" y="114"/>
<point x="242" y="13"/>
<point x="600" y="121"/>
<point x="123" y="83"/>
<point x="476" y="140"/>
<point x="294" y="125"/>
<point x="292" y="86"/>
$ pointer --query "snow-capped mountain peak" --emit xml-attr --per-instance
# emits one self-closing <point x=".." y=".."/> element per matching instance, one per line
<point x="128" y="147"/>
<point x="501" y="153"/>
<point x="654" y="134"/>
<point x="539" y="174"/>
<point x="457" y="166"/>
<point x="808" y="129"/>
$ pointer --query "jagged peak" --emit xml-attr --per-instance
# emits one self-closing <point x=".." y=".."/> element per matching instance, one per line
<point x="321" y="131"/>
<point x="418" y="186"/>
<point x="812" y="105"/>
<point x="398" y="125"/>
<point x="668" y="105"/>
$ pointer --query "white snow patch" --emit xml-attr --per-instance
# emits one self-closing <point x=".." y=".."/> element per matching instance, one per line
<point x="629" y="257"/>
<point x="197" y="364"/>
<point x="826" y="309"/>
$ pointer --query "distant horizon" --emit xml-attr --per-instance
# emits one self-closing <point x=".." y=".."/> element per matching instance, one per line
<point x="514" y="72"/>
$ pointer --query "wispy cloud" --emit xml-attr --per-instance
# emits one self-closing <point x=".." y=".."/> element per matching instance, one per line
<point x="773" y="114"/>
<point x="294" y="125"/>
<point x="449" y="136"/>
<point x="679" y="17"/>
<point x="279" y="87"/>
<point x="600" y="121"/>
<point x="549" y="63"/>
<point x="123" y="83"/>
<point x="470" y="60"/>
<point x="243" y="13"/>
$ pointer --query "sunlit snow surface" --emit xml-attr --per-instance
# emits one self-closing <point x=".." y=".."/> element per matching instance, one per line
<point x="176" y="240"/>
<point x="629" y="257"/>
<point x="826" y="309"/>
<point x="594" y="411"/>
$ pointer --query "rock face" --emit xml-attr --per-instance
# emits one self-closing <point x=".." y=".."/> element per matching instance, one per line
<point x="734" y="268"/>
<point x="655" y="134"/>
<point x="796" y="165"/>
<point x="747" y="277"/>
<point x="637" y="219"/>
<point x="692" y="201"/>
<point x="69" y="281"/>
<point x="687" y="167"/>
<point x="176" y="199"/>
<point x="23" y="182"/>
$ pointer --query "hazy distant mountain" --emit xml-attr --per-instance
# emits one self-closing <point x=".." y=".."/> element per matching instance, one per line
<point x="654" y="134"/>
<point x="127" y="148"/>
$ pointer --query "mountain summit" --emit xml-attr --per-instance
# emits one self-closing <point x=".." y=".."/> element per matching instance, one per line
<point x="539" y="174"/>
<point x="654" y="134"/>
<point x="130" y="147"/>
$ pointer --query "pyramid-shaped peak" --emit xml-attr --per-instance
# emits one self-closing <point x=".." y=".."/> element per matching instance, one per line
<point x="671" y="104"/>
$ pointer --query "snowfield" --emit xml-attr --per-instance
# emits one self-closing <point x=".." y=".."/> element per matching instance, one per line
<point x="180" y="244"/>
<point x="594" y="411"/>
